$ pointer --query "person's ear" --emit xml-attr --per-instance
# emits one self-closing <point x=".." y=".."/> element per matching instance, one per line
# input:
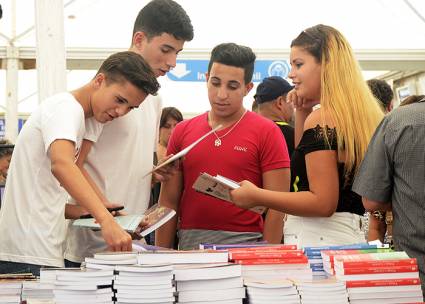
<point x="248" y="88"/>
<point x="280" y="103"/>
<point x="98" y="80"/>
<point x="139" y="39"/>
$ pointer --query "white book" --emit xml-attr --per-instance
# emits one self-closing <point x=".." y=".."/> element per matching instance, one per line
<point x="219" y="187"/>
<point x="210" y="284"/>
<point x="206" y="272"/>
<point x="182" y="256"/>
<point x="152" y="219"/>
<point x="211" y="295"/>
<point x="184" y="151"/>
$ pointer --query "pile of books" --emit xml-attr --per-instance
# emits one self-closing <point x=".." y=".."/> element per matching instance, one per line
<point x="83" y="286"/>
<point x="271" y="262"/>
<point x="37" y="290"/>
<point x="219" y="283"/>
<point x="271" y="292"/>
<point x="322" y="291"/>
<point x="144" y="284"/>
<point x="314" y="255"/>
<point x="11" y="287"/>
<point x="388" y="277"/>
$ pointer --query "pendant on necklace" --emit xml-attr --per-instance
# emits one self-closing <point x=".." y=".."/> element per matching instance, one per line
<point x="217" y="142"/>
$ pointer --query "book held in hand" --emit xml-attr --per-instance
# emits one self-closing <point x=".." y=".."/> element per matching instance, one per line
<point x="183" y="152"/>
<point x="219" y="187"/>
<point x="154" y="218"/>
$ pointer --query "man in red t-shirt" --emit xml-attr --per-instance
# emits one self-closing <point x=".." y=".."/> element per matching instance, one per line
<point x="247" y="146"/>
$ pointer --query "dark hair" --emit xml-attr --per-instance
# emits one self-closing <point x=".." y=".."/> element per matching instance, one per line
<point x="382" y="91"/>
<point x="412" y="99"/>
<point x="170" y="112"/>
<point x="314" y="40"/>
<point x="164" y="16"/>
<point x="132" y="67"/>
<point x="235" y="55"/>
<point x="6" y="147"/>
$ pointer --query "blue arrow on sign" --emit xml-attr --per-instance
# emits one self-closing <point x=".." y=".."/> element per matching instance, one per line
<point x="194" y="70"/>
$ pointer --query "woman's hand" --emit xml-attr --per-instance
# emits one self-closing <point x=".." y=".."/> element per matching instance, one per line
<point x="300" y="103"/>
<point x="245" y="195"/>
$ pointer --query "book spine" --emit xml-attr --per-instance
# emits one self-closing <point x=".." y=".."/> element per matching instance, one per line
<point x="272" y="261"/>
<point x="263" y="255"/>
<point x="373" y="263"/>
<point x="342" y="247"/>
<point x="377" y="283"/>
<point x="370" y="270"/>
<point x="263" y="248"/>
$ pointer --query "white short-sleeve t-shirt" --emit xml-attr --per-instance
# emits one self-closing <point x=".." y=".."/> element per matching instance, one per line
<point x="117" y="162"/>
<point x="32" y="223"/>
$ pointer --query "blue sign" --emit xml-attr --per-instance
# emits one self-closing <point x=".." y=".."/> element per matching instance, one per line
<point x="3" y="126"/>
<point x="194" y="70"/>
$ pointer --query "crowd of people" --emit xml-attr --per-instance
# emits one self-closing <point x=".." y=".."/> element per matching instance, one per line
<point x="317" y="153"/>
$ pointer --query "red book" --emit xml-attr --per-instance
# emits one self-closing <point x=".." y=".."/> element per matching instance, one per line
<point x="265" y="248"/>
<point x="276" y="254"/>
<point x="301" y="260"/>
<point x="370" y="263"/>
<point x="367" y="270"/>
<point x="378" y="283"/>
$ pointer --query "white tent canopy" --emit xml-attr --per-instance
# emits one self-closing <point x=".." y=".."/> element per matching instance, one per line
<point x="385" y="34"/>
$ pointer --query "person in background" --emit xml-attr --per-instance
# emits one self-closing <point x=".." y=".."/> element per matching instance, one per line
<point x="170" y="117"/>
<point x="391" y="177"/>
<point x="247" y="146"/>
<point x="330" y="143"/>
<point x="380" y="222"/>
<point x="383" y="92"/>
<point x="6" y="150"/>
<point x="160" y="31"/>
<point x="43" y="171"/>
<point x="272" y="104"/>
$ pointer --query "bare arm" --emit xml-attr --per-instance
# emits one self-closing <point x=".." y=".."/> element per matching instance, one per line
<point x="171" y="191"/>
<point x="371" y="205"/>
<point x="75" y="211"/>
<point x="377" y="229"/>
<point x="276" y="180"/>
<point x="61" y="153"/>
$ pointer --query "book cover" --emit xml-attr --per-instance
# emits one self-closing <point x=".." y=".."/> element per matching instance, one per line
<point x="315" y="250"/>
<point x="155" y="217"/>
<point x="219" y="187"/>
<point x="380" y="263"/>
<point x="259" y="261"/>
<point x="275" y="254"/>
<point x="127" y="222"/>
<point x="366" y="270"/>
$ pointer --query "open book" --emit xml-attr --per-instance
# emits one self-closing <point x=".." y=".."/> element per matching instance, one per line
<point x="154" y="217"/>
<point x="219" y="187"/>
<point x="183" y="152"/>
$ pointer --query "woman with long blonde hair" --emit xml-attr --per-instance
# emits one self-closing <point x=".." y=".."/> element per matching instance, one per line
<point x="330" y="142"/>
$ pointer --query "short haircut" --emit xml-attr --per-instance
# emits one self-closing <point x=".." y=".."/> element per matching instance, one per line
<point x="164" y="16"/>
<point x="382" y="91"/>
<point x="170" y="112"/>
<point x="131" y="67"/>
<point x="6" y="148"/>
<point x="234" y="55"/>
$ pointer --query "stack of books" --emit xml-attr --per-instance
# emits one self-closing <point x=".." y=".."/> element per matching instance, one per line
<point x="272" y="262"/>
<point x="323" y="291"/>
<point x="385" y="291"/>
<point x="36" y="290"/>
<point x="83" y="285"/>
<point x="10" y="291"/>
<point x="329" y="255"/>
<point x="182" y="256"/>
<point x="144" y="284"/>
<point x="271" y="292"/>
<point x="219" y="283"/>
<point x="314" y="255"/>
<point x="389" y="277"/>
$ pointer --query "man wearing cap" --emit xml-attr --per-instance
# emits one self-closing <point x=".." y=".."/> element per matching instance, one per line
<point x="271" y="100"/>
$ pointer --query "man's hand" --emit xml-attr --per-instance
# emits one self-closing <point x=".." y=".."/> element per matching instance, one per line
<point x="165" y="173"/>
<point x="116" y="238"/>
<point x="245" y="195"/>
<point x="142" y="226"/>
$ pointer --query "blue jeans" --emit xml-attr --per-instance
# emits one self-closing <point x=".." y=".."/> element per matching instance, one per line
<point x="14" y="267"/>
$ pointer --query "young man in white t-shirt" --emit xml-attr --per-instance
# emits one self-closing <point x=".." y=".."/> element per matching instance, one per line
<point x="160" y="31"/>
<point x="43" y="168"/>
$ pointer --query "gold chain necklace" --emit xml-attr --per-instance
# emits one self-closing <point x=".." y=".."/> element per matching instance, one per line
<point x="217" y="142"/>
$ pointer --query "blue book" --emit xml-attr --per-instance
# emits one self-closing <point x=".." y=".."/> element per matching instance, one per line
<point x="229" y="246"/>
<point x="311" y="251"/>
